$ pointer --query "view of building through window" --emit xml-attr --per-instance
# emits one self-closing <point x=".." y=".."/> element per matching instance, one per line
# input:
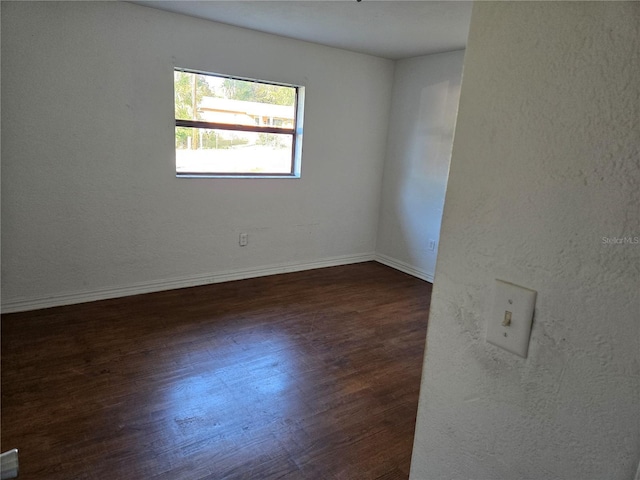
<point x="227" y="126"/>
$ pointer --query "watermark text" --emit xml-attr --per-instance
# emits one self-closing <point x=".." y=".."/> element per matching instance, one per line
<point x="621" y="240"/>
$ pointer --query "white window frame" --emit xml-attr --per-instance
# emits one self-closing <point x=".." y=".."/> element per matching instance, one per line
<point x="296" y="132"/>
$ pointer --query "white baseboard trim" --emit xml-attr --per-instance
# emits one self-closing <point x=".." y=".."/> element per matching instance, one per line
<point x="404" y="267"/>
<point x="22" y="305"/>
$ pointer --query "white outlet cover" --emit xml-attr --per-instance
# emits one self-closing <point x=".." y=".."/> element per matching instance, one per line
<point x="520" y="302"/>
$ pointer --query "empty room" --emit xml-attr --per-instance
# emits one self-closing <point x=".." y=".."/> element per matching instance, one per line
<point x="220" y="226"/>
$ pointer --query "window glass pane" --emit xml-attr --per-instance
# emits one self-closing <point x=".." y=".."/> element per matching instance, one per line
<point x="189" y="91"/>
<point x="200" y="150"/>
<point x="230" y="101"/>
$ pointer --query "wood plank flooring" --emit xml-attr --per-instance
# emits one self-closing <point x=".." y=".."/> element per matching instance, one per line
<point x="308" y="375"/>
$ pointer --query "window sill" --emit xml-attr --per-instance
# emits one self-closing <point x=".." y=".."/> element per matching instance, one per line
<point x="212" y="175"/>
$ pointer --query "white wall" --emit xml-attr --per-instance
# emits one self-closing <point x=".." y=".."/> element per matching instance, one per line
<point x="91" y="206"/>
<point x="545" y="164"/>
<point x="423" y="115"/>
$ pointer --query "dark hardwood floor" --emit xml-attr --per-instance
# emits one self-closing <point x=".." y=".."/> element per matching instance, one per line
<point x="309" y="375"/>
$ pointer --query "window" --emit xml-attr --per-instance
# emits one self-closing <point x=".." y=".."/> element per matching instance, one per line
<point x="236" y="127"/>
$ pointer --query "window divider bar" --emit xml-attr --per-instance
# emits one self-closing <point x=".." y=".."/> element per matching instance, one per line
<point x="226" y="126"/>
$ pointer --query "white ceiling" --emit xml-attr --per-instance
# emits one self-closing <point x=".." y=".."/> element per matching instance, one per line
<point x="392" y="29"/>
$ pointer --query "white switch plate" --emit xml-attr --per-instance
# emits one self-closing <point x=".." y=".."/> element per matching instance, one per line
<point x="511" y="317"/>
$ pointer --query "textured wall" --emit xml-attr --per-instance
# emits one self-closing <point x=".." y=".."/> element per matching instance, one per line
<point x="545" y="164"/>
<point x="423" y="115"/>
<point x="90" y="201"/>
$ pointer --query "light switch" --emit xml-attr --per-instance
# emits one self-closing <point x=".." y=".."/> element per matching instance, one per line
<point x="511" y="317"/>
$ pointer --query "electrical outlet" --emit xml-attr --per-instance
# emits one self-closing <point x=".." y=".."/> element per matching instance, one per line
<point x="432" y="245"/>
<point x="244" y="239"/>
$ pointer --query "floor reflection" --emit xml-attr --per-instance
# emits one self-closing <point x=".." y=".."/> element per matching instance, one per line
<point x="244" y="389"/>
